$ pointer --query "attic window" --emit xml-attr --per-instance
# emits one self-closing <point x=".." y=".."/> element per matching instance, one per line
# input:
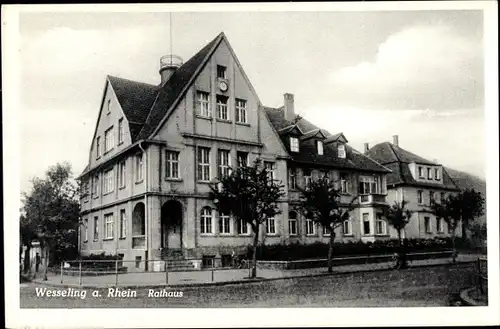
<point x="320" y="147"/>
<point x="294" y="144"/>
<point x="109" y="107"/>
<point x="341" y="151"/>
<point x="221" y="72"/>
<point x="436" y="174"/>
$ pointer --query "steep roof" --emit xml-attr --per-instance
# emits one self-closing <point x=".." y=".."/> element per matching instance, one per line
<point x="307" y="150"/>
<point x="397" y="159"/>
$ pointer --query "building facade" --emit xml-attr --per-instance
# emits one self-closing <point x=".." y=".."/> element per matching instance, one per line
<point x="420" y="182"/>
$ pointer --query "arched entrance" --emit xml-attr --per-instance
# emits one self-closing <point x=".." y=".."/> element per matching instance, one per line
<point x="171" y="225"/>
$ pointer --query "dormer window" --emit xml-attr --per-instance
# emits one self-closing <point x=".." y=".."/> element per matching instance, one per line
<point x="221" y="72"/>
<point x="420" y="172"/>
<point x="319" y="145"/>
<point x="341" y="151"/>
<point x="429" y="173"/>
<point x="436" y="174"/>
<point x="294" y="144"/>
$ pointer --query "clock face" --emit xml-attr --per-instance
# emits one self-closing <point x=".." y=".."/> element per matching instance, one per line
<point x="223" y="85"/>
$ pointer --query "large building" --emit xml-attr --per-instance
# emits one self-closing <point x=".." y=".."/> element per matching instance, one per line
<point x="418" y="181"/>
<point x="156" y="148"/>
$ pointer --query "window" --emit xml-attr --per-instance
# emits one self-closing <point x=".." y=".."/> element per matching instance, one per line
<point x="381" y="225"/>
<point x="242" y="158"/>
<point x="326" y="232"/>
<point x="368" y="185"/>
<point x="271" y="226"/>
<point x="366" y="224"/>
<point x="109" y="181"/>
<point x="243" y="228"/>
<point x="122" y="170"/>
<point x="292" y="223"/>
<point x="120" y="131"/>
<point x="108" y="107"/>
<point x="436" y="174"/>
<point x="138" y="168"/>
<point x="123" y="224"/>
<point x="420" y="172"/>
<point x="172" y="167"/>
<point x="222" y="112"/>
<point x="431" y="198"/>
<point x="98" y="147"/>
<point x="224" y="163"/>
<point x="204" y="104"/>
<point x="95" y="186"/>
<point x="307" y="178"/>
<point x="241" y="111"/>
<point x="206" y="221"/>
<point x="347" y="227"/>
<point x="224" y="223"/>
<point x="344" y="183"/>
<point x="325" y="175"/>
<point x="439" y="225"/>
<point x="292" y="178"/>
<point x="429" y="173"/>
<point x="221" y="72"/>
<point x="96" y="228"/>
<point x="86" y="228"/>
<point x="270" y="170"/>
<point x="310" y="227"/>
<point x="203" y="164"/>
<point x="86" y="191"/>
<point x="420" y="197"/>
<point x="341" y="151"/>
<point x="108" y="226"/>
<point x="427" y="224"/>
<point x="319" y="145"/>
<point x="109" y="140"/>
<point x="138" y="261"/>
<point x="442" y="197"/>
<point x="294" y="144"/>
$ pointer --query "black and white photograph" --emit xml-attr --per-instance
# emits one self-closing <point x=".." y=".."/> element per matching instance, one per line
<point x="247" y="164"/>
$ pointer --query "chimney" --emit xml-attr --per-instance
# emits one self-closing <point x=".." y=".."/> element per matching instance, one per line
<point x="367" y="147"/>
<point x="289" y="107"/>
<point x="395" y="140"/>
<point x="168" y="65"/>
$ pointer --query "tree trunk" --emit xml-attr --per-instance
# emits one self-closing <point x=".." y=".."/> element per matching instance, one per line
<point x="27" y="261"/>
<point x="46" y="262"/>
<point x="454" y="254"/>
<point x="330" y="251"/>
<point x="254" y="254"/>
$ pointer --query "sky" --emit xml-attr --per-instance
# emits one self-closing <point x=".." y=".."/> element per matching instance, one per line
<point x="368" y="74"/>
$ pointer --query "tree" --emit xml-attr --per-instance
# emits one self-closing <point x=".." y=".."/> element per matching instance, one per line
<point x="51" y="210"/>
<point x="398" y="216"/>
<point x="449" y="211"/>
<point x="251" y="196"/>
<point x="472" y="207"/>
<point x="27" y="234"/>
<point x="321" y="203"/>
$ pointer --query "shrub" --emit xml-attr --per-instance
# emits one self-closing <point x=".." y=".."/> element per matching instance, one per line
<point x="98" y="261"/>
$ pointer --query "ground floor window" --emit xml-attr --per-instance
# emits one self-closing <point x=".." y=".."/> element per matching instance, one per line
<point x="381" y="225"/>
<point x="427" y="224"/>
<point x="292" y="226"/>
<point x="346" y="227"/>
<point x="108" y="228"/>
<point x="243" y="227"/>
<point x="123" y="223"/>
<point x="224" y="223"/>
<point x="439" y="224"/>
<point x="326" y="232"/>
<point x="366" y="224"/>
<point x="206" y="221"/>
<point x="271" y="226"/>
<point x="310" y="227"/>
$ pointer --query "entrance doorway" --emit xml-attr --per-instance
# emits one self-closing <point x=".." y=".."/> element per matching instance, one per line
<point x="171" y="225"/>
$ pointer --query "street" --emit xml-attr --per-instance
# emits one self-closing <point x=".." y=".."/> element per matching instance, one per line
<point x="416" y="287"/>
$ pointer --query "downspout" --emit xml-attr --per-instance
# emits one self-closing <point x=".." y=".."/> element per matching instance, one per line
<point x="146" y="212"/>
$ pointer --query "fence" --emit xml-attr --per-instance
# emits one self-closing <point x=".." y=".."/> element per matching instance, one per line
<point x="132" y="272"/>
<point x="481" y="274"/>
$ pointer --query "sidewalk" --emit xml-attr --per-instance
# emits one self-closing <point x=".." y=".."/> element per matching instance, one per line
<point x="209" y="277"/>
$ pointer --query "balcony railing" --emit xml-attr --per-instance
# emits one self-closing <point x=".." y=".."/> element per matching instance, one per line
<point x="372" y="198"/>
<point x="138" y="241"/>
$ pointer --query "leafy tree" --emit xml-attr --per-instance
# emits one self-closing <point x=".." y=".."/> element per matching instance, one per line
<point x="449" y="211"/>
<point x="398" y="216"/>
<point x="321" y="203"/>
<point x="250" y="195"/>
<point x="27" y="235"/>
<point x="51" y="212"/>
<point x="472" y="207"/>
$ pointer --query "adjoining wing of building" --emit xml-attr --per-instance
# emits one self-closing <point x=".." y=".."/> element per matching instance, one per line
<point x="156" y="148"/>
<point x="420" y="182"/>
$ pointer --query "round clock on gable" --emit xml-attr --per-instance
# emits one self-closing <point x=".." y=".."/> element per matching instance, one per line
<point x="223" y="85"/>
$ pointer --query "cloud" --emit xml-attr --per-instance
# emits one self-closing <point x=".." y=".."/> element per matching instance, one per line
<point x="420" y="67"/>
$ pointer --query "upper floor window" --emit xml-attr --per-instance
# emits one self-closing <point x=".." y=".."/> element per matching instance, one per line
<point x="98" y="147"/>
<point x="270" y="170"/>
<point x="122" y="173"/>
<point x="368" y="185"/>
<point x="172" y="167"/>
<point x="222" y="112"/>
<point x="109" y="185"/>
<point x="326" y="176"/>
<point x="341" y="151"/>
<point x="204" y="104"/>
<point x="221" y="72"/>
<point x="138" y="167"/>
<point x="109" y="139"/>
<point x="86" y="191"/>
<point x="429" y="173"/>
<point x="292" y="178"/>
<point x="431" y="198"/>
<point x="307" y="178"/>
<point x="206" y="221"/>
<point x="436" y="174"/>
<point x="108" y="107"/>
<point x="270" y="226"/>
<point x="420" y="172"/>
<point x="224" y="163"/>
<point x="95" y="186"/>
<point x="344" y="183"/>
<point x="420" y="197"/>
<point x="319" y="145"/>
<point x="203" y="164"/>
<point x="242" y="158"/>
<point x="294" y="144"/>
<point x="120" y="131"/>
<point x="241" y="111"/>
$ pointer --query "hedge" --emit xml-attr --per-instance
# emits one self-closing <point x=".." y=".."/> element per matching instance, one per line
<point x="100" y="263"/>
<point x="296" y="251"/>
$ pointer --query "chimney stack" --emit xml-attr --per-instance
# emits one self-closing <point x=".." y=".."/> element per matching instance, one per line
<point x="395" y="140"/>
<point x="289" y="107"/>
<point x="367" y="147"/>
<point x="168" y="65"/>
